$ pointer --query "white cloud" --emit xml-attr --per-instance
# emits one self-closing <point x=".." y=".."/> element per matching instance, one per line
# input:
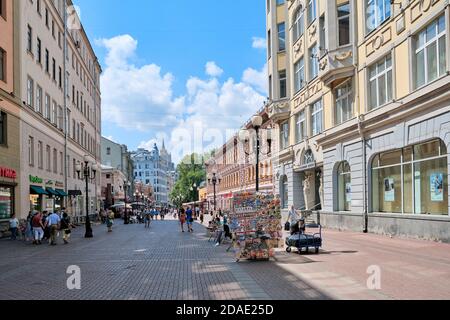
<point x="141" y="100"/>
<point x="259" y="43"/>
<point x="257" y="79"/>
<point x="213" y="70"/>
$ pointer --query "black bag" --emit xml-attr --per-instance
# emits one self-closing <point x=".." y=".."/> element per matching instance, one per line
<point x="67" y="231"/>
<point x="191" y="220"/>
<point x="287" y="226"/>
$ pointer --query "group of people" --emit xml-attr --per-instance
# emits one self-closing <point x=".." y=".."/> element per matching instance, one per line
<point x="43" y="226"/>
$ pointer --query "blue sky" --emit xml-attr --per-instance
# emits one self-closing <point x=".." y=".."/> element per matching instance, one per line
<point x="163" y="48"/>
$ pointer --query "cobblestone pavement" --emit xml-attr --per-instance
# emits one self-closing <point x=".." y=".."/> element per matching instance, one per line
<point x="136" y="263"/>
<point x="162" y="263"/>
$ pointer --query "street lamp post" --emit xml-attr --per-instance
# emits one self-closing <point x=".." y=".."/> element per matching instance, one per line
<point x="127" y="185"/>
<point x="257" y="121"/>
<point x="89" y="173"/>
<point x="214" y="180"/>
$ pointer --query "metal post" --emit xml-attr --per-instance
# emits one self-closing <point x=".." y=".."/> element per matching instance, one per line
<point x="126" y="209"/>
<point x="214" y="184"/>
<point x="257" y="158"/>
<point x="88" y="221"/>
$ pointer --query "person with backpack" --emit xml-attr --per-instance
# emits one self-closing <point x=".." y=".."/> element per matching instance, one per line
<point x="38" y="228"/>
<point x="110" y="221"/>
<point x="190" y="219"/>
<point x="13" y="226"/>
<point x="147" y="218"/>
<point x="65" y="227"/>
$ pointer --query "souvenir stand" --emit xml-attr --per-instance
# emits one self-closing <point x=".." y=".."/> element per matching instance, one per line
<point x="256" y="225"/>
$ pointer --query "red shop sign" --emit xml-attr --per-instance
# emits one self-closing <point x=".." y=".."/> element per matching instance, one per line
<point x="8" y="173"/>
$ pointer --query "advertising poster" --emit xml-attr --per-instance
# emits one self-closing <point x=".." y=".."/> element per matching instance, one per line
<point x="437" y="187"/>
<point x="389" y="190"/>
<point x="348" y="192"/>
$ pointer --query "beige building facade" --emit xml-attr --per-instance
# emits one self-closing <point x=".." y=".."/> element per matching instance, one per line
<point x="366" y="113"/>
<point x="57" y="85"/>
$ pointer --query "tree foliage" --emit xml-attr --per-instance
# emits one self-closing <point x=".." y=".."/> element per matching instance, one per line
<point x="191" y="170"/>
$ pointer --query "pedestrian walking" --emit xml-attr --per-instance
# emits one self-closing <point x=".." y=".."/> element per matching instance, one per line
<point x="189" y="219"/>
<point x="29" y="228"/>
<point x="54" y="221"/>
<point x="110" y="221"/>
<point x="38" y="228"/>
<point x="182" y="217"/>
<point x="13" y="227"/>
<point x="293" y="220"/>
<point x="65" y="227"/>
<point x="46" y="236"/>
<point x="202" y="217"/>
<point x="147" y="219"/>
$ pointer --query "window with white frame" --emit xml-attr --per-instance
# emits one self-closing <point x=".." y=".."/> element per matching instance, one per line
<point x="30" y="92"/>
<point x="300" y="126"/>
<point x="281" y="36"/>
<point x="299" y="75"/>
<point x="31" y="151"/>
<point x="40" y="155"/>
<point x="2" y="65"/>
<point x="317" y="118"/>
<point x="299" y="24"/>
<point x="380" y="82"/>
<point x="313" y="61"/>
<point x="343" y="11"/>
<point x="344" y="102"/>
<point x="430" y="54"/>
<point x="54" y="114"/>
<point x="47" y="111"/>
<point x="39" y="99"/>
<point x="312" y="11"/>
<point x="377" y="11"/>
<point x="283" y="83"/>
<point x="284" y="135"/>
<point x="48" y="155"/>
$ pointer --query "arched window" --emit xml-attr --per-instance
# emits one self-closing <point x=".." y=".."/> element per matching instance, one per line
<point x="299" y="24"/>
<point x="412" y="180"/>
<point x="284" y="192"/>
<point x="308" y="157"/>
<point x="344" y="186"/>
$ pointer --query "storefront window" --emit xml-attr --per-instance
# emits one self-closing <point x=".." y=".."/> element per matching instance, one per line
<point x="344" y="181"/>
<point x="412" y="180"/>
<point x="6" y="202"/>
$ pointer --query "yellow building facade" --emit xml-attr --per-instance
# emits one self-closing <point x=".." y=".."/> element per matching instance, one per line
<point x="360" y="95"/>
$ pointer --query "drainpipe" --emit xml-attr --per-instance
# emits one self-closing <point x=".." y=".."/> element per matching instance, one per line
<point x="360" y="117"/>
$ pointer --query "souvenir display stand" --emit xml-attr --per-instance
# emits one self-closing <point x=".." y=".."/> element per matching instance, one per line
<point x="256" y="225"/>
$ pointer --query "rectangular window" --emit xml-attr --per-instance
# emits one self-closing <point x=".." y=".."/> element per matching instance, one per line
<point x="48" y="155"/>
<point x="301" y="126"/>
<point x="284" y="135"/>
<point x="299" y="75"/>
<point x="430" y="54"/>
<point x="344" y="102"/>
<point x="2" y="9"/>
<point x="344" y="24"/>
<point x="55" y="161"/>
<point x="54" y="69"/>
<point x="39" y="51"/>
<point x="280" y="2"/>
<point x="317" y="118"/>
<point x="40" y="155"/>
<point x="60" y="77"/>
<point x="283" y="83"/>
<point x="46" y="17"/>
<point x="53" y="28"/>
<point x="380" y="83"/>
<point x="2" y="65"/>
<point x="30" y="92"/>
<point x="47" y="61"/>
<point x="54" y="113"/>
<point x="39" y="99"/>
<point x="61" y="163"/>
<point x="313" y="62"/>
<point x="270" y="88"/>
<point x="299" y="24"/>
<point x="281" y="37"/>
<point x="30" y="39"/>
<point x="2" y="128"/>
<point x="377" y="11"/>
<point x="269" y="44"/>
<point x="31" y="151"/>
<point x="73" y="129"/>
<point x="7" y="204"/>
<point x="38" y="6"/>
<point x="47" y="107"/>
<point x="60" y="118"/>
<point x="312" y="11"/>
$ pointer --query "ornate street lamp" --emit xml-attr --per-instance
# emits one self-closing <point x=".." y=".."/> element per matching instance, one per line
<point x="194" y="189"/>
<point x="257" y="122"/>
<point x="88" y="171"/>
<point x="214" y="180"/>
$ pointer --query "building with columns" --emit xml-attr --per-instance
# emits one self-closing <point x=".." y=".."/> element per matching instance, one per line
<point x="363" y="112"/>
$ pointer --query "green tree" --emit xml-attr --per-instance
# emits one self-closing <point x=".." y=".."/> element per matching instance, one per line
<point x="191" y="170"/>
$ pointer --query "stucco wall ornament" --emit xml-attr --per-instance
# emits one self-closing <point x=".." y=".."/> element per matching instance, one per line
<point x="323" y="63"/>
<point x="343" y="56"/>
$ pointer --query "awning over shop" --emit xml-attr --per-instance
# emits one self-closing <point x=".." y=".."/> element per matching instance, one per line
<point x="37" y="190"/>
<point x="74" y="193"/>
<point x="62" y="193"/>
<point x="52" y="192"/>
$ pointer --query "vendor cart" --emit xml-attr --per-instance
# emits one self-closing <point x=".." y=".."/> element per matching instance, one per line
<point x="304" y="240"/>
